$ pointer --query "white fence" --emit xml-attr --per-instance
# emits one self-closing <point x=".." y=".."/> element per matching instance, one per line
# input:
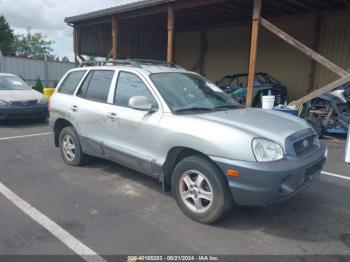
<point x="49" y="72"/>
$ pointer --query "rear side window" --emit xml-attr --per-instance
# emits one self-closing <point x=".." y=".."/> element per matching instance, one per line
<point x="70" y="83"/>
<point x="96" y="85"/>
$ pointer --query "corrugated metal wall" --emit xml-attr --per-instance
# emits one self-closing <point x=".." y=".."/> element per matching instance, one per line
<point x="31" y="69"/>
<point x="335" y="45"/>
<point x="134" y="40"/>
<point x="96" y="40"/>
<point x="228" y="50"/>
<point x="137" y="41"/>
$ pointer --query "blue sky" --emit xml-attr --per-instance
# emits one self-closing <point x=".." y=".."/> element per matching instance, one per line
<point x="47" y="17"/>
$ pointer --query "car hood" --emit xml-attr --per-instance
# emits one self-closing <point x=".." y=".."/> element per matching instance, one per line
<point x="273" y="125"/>
<point x="20" y="95"/>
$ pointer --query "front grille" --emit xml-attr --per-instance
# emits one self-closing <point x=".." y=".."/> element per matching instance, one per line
<point x="305" y="145"/>
<point x="24" y="103"/>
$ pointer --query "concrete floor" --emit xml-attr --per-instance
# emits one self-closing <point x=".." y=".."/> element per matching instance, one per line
<point x="114" y="210"/>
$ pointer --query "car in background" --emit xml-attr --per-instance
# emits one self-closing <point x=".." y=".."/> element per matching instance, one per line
<point x="329" y="113"/>
<point x="18" y="100"/>
<point x="236" y="86"/>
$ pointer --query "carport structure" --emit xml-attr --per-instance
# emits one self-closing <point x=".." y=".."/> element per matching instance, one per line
<point x="168" y="29"/>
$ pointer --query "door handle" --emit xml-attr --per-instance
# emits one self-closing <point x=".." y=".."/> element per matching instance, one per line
<point x="74" y="108"/>
<point x="112" y="116"/>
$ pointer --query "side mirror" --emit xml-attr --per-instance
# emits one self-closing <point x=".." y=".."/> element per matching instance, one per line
<point x="141" y="103"/>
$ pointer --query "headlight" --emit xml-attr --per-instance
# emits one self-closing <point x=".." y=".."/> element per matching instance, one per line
<point x="266" y="150"/>
<point x="3" y="103"/>
<point x="43" y="100"/>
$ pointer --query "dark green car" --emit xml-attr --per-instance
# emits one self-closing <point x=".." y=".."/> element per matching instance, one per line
<point x="236" y="86"/>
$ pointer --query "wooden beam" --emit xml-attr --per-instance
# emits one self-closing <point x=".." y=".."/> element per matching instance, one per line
<point x="114" y="37"/>
<point x="171" y="20"/>
<point x="303" y="48"/>
<point x="99" y="21"/>
<point x="196" y="3"/>
<point x="253" y="52"/>
<point x="323" y="90"/>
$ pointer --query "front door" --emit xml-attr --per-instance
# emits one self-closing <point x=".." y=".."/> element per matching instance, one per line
<point x="132" y="134"/>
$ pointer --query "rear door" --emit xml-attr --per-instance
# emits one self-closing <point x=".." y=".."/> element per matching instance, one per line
<point x="91" y="109"/>
<point x="62" y="101"/>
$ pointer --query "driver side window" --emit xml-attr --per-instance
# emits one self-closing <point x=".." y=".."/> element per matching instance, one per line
<point x="130" y="85"/>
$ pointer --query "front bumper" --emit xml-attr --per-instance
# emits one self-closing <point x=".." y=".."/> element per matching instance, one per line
<point x="23" y="112"/>
<point x="266" y="183"/>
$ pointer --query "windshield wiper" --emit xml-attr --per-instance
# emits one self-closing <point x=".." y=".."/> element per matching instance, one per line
<point x="194" y="109"/>
<point x="227" y="107"/>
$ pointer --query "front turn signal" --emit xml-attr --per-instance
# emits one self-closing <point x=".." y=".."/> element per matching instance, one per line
<point x="232" y="173"/>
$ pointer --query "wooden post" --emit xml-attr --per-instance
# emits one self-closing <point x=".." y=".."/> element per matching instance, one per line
<point x="114" y="37"/>
<point x="170" y="49"/>
<point x="253" y="52"/>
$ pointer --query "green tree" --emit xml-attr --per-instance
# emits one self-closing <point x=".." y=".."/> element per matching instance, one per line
<point x="65" y="59"/>
<point x="7" y="38"/>
<point x="38" y="85"/>
<point x="33" y="45"/>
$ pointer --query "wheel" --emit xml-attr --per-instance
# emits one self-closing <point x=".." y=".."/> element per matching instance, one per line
<point x="200" y="189"/>
<point x="316" y="125"/>
<point x="70" y="147"/>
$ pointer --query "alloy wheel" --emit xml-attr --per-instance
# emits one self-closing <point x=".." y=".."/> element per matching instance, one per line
<point x="196" y="191"/>
<point x="68" y="148"/>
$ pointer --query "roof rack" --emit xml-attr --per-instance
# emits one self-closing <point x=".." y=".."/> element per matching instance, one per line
<point x="149" y="62"/>
<point x="109" y="62"/>
<point x="131" y="62"/>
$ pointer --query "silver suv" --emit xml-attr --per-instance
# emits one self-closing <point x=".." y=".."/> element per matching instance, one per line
<point x="178" y="127"/>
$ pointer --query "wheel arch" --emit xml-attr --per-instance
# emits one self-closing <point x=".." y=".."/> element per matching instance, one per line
<point x="60" y="123"/>
<point x="175" y="155"/>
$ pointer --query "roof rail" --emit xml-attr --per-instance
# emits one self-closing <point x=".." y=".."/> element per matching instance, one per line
<point x="131" y="62"/>
<point x="109" y="62"/>
<point x="149" y="62"/>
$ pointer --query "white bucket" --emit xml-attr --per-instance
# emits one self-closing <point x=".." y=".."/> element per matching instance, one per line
<point x="268" y="102"/>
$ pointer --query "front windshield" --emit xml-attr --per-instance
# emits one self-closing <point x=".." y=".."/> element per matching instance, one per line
<point x="12" y="83"/>
<point x="186" y="92"/>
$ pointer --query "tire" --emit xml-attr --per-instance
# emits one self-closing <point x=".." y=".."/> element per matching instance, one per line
<point x="79" y="158"/>
<point x="316" y="125"/>
<point x="213" y="181"/>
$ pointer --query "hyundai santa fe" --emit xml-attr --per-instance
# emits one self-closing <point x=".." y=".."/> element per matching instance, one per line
<point x="181" y="129"/>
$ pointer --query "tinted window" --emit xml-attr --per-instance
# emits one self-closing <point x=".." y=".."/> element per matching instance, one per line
<point x="96" y="85"/>
<point x="70" y="83"/>
<point x="130" y="85"/>
<point x="82" y="91"/>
